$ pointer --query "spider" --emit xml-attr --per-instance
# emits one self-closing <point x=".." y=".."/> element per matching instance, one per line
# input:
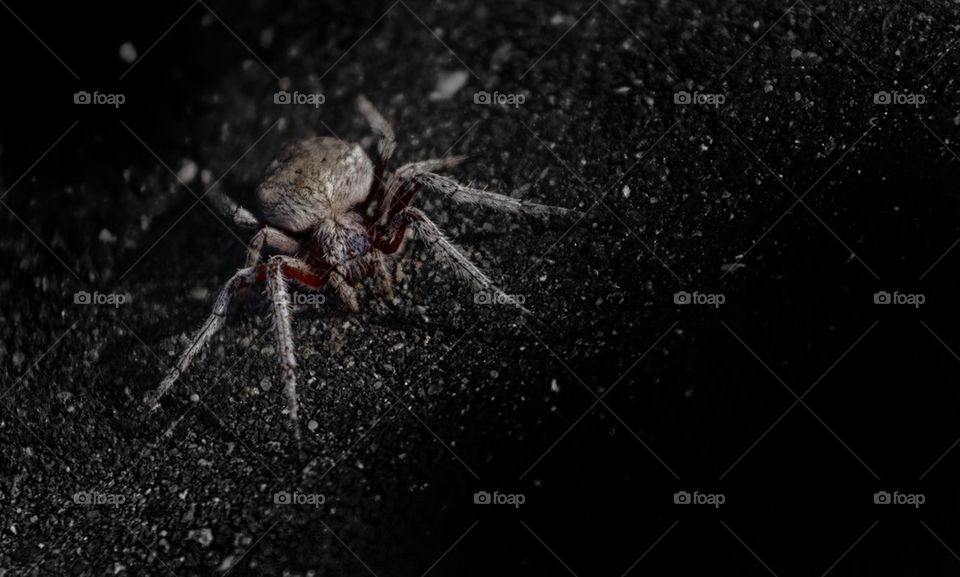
<point x="330" y="215"/>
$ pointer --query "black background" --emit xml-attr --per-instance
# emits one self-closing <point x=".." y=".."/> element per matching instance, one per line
<point x="419" y="408"/>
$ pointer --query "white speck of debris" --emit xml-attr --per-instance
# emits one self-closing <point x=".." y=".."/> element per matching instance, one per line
<point x="18" y="358"/>
<point x="265" y="384"/>
<point x="188" y="171"/>
<point x="227" y="563"/>
<point x="626" y="191"/>
<point x="312" y="425"/>
<point x="554" y="387"/>
<point x="127" y="52"/>
<point x="206" y="177"/>
<point x="795" y="54"/>
<point x="107" y="237"/>
<point x="448" y="84"/>
<point x="266" y="38"/>
<point x="194" y="398"/>
<point x="199" y="293"/>
<point x="621" y="90"/>
<point x="732" y="267"/>
<point x="558" y="19"/>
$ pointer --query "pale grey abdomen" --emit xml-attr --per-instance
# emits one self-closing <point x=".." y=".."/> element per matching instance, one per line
<point x="312" y="180"/>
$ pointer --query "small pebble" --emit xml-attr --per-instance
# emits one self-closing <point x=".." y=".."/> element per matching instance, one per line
<point x="128" y="53"/>
<point x="188" y="171"/>
<point x="199" y="293"/>
<point x="448" y="84"/>
<point x="227" y="563"/>
<point x="203" y="536"/>
<point x="266" y="38"/>
<point x="107" y="237"/>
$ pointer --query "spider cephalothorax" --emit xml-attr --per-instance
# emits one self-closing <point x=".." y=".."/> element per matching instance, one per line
<point x="331" y="215"/>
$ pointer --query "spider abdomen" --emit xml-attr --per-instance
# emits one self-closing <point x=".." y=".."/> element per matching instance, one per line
<point x="312" y="180"/>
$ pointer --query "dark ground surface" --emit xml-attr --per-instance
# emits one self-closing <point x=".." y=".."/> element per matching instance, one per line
<point x="420" y="405"/>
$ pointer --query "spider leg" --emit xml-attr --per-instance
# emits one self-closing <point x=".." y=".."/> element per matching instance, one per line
<point x="431" y="235"/>
<point x="461" y="194"/>
<point x="384" y="277"/>
<point x="243" y="278"/>
<point x="431" y="164"/>
<point x="273" y="238"/>
<point x="385" y="146"/>
<point x="280" y="298"/>
<point x="232" y="210"/>
<point x="400" y="188"/>
<point x="346" y="292"/>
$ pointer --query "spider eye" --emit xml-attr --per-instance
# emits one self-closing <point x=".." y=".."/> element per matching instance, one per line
<point x="357" y="244"/>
